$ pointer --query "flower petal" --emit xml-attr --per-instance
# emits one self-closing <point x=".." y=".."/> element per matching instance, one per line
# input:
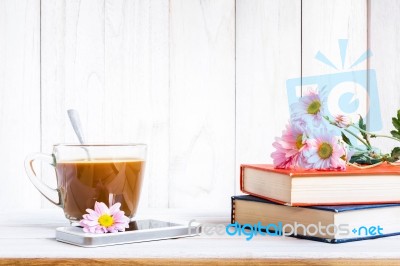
<point x="115" y="208"/>
<point x="313" y="158"/>
<point x="101" y="208"/>
<point x="93" y="213"/>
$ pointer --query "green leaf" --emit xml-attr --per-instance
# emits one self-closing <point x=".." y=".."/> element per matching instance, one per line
<point x="363" y="126"/>
<point x="396" y="123"/>
<point x="363" y="159"/>
<point x="361" y="122"/>
<point x="367" y="157"/>
<point x="346" y="139"/>
<point x="356" y="158"/>
<point x="395" y="153"/>
<point x="390" y="160"/>
<point x="395" y="134"/>
<point x="394" y="156"/>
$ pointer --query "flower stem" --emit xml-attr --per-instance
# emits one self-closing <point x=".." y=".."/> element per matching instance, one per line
<point x="364" y="167"/>
<point x="356" y="148"/>
<point x="348" y="131"/>
<point x="373" y="135"/>
<point x="360" y="139"/>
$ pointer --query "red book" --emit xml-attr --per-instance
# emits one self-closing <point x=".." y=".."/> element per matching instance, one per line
<point x="380" y="184"/>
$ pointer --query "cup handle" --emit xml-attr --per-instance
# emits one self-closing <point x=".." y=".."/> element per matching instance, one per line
<point x="53" y="195"/>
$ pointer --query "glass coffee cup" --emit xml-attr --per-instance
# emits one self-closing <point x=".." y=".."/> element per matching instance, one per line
<point x="89" y="173"/>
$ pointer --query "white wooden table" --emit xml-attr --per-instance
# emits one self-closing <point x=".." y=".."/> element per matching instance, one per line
<point x="31" y="236"/>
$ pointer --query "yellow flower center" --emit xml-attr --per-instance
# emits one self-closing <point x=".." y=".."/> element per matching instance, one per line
<point x="325" y="150"/>
<point x="106" y="220"/>
<point x="299" y="141"/>
<point x="314" y="107"/>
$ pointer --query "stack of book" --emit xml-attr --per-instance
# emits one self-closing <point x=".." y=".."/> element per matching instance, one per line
<point x="329" y="206"/>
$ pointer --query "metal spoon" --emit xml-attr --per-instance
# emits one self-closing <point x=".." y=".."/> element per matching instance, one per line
<point x="76" y="124"/>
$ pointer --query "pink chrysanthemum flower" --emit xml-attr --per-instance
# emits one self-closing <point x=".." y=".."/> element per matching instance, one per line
<point x="325" y="152"/>
<point x="309" y="108"/>
<point x="343" y="121"/>
<point x="288" y="147"/>
<point x="103" y="219"/>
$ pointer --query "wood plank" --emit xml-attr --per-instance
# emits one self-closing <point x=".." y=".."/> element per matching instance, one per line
<point x="324" y="23"/>
<point x="19" y="100"/>
<point x="195" y="262"/>
<point x="268" y="52"/>
<point x="137" y="86"/>
<point x="202" y="103"/>
<point x="18" y="234"/>
<point x="384" y="36"/>
<point x="215" y="247"/>
<point x="72" y="72"/>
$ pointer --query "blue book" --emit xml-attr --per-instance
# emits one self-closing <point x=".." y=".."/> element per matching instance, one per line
<point x="252" y="216"/>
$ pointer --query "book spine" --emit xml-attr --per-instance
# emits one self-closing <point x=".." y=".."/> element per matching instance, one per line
<point x="241" y="177"/>
<point x="232" y="210"/>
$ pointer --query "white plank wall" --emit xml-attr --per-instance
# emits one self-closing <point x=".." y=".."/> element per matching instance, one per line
<point x="72" y="72"/>
<point x="268" y="52"/>
<point x="72" y="69"/>
<point x="137" y="86"/>
<point x="324" y="23"/>
<point x="19" y="100"/>
<point x="202" y="82"/>
<point x="202" y="103"/>
<point x="384" y="41"/>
